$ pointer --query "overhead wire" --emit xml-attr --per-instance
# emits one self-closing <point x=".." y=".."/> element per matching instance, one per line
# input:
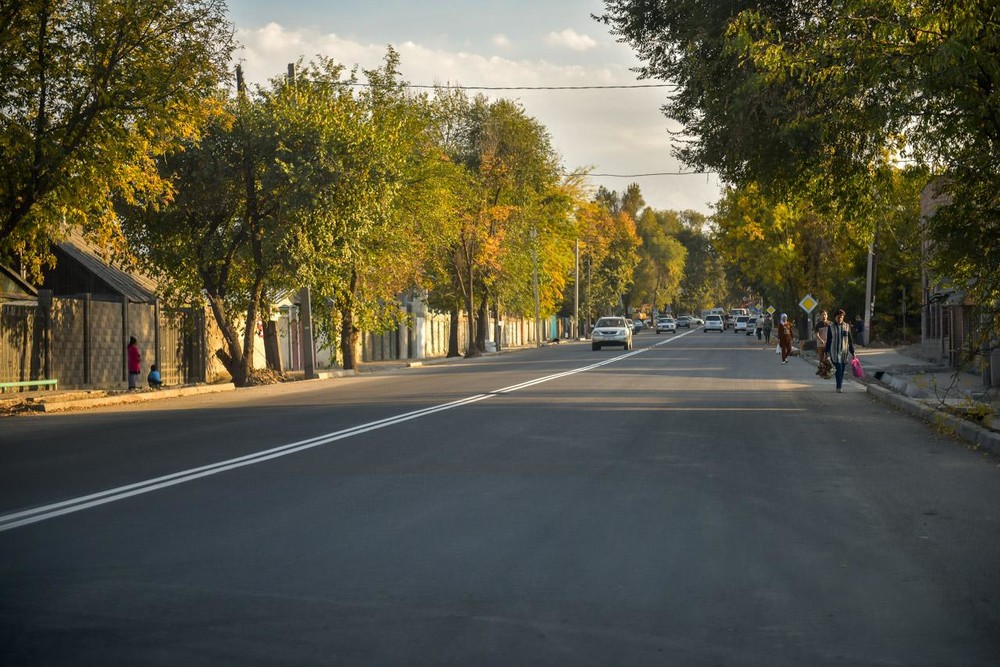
<point x="591" y="87"/>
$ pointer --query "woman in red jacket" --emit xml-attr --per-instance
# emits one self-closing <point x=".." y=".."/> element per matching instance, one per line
<point x="134" y="363"/>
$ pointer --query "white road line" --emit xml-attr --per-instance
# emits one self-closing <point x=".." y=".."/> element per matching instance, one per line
<point x="27" y="517"/>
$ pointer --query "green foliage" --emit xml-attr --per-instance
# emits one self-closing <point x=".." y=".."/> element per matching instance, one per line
<point x="663" y="257"/>
<point x="704" y="281"/>
<point x="511" y="209"/>
<point x="93" y="92"/>
<point x="804" y="101"/>
<point x="609" y="247"/>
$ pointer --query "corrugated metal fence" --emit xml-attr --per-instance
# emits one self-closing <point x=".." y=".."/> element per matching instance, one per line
<point x="81" y="341"/>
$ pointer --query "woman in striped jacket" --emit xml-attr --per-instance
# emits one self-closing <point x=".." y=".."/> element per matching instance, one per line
<point x="839" y="346"/>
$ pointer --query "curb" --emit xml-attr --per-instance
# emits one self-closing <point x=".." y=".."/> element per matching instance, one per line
<point x="899" y="397"/>
<point x="139" y="397"/>
<point x="974" y="434"/>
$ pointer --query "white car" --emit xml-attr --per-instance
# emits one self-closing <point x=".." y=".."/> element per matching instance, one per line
<point x="611" y="331"/>
<point x="741" y="323"/>
<point x="666" y="324"/>
<point x="714" y="323"/>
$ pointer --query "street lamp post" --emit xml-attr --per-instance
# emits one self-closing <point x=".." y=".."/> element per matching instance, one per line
<point x="534" y="282"/>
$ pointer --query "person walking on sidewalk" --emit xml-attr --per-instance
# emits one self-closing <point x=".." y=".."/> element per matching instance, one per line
<point x="134" y="363"/>
<point x="785" y="337"/>
<point x="767" y="329"/>
<point x="822" y="324"/>
<point x="839" y="347"/>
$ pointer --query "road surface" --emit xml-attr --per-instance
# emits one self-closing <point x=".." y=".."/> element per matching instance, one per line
<point x="693" y="502"/>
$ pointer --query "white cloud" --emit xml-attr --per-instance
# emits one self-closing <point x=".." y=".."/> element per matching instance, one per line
<point x="500" y="40"/>
<point x="612" y="130"/>
<point x="571" y="39"/>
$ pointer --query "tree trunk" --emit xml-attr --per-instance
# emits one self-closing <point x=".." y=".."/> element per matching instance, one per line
<point x="482" y="325"/>
<point x="233" y="355"/>
<point x="348" y="327"/>
<point x="453" y="350"/>
<point x="244" y="372"/>
<point x="348" y="339"/>
<point x="470" y="310"/>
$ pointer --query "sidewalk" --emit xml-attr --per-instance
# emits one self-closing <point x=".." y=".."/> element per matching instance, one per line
<point x="63" y="400"/>
<point x="952" y="400"/>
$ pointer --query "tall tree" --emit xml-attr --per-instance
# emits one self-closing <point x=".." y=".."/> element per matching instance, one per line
<point x="365" y="166"/>
<point x="302" y="186"/>
<point x="92" y="93"/>
<point x="662" y="260"/>
<point x="512" y="204"/>
<point x="704" y="281"/>
<point x="821" y="98"/>
<point x="609" y="247"/>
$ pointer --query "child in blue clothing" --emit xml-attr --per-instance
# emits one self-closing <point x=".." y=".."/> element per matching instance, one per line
<point x="154" y="377"/>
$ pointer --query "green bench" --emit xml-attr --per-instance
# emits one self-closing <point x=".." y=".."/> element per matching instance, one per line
<point x="50" y="384"/>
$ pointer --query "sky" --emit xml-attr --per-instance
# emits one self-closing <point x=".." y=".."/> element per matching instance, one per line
<point x="498" y="43"/>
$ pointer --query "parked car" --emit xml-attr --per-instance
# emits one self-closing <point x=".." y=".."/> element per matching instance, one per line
<point x="714" y="323"/>
<point x="751" y="326"/>
<point x="684" y="321"/>
<point x="637" y="326"/>
<point x="611" y="331"/>
<point x="696" y="321"/>
<point x="666" y="324"/>
<point x="741" y="323"/>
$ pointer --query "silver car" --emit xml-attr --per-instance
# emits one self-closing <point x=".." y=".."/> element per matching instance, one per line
<point x="666" y="324"/>
<point x="714" y="323"/>
<point x="611" y="331"/>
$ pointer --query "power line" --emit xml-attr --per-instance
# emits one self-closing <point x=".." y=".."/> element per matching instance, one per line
<point x="612" y="87"/>
<point x="658" y="173"/>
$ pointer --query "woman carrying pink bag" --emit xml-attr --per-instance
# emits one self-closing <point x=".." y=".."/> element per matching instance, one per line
<point x="840" y="348"/>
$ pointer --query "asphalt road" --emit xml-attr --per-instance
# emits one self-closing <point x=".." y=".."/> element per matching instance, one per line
<point x="693" y="502"/>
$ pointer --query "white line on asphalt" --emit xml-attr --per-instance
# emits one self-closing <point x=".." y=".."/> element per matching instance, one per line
<point x="27" y="517"/>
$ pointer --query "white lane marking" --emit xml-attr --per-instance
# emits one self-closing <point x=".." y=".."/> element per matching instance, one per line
<point x="51" y="511"/>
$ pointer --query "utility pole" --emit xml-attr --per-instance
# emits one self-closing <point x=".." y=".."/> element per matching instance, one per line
<point x="903" y="299"/>
<point x="305" y="302"/>
<point x="576" y="292"/>
<point x="870" y="286"/>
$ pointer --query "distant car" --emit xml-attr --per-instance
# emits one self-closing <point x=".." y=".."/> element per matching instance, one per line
<point x="714" y="323"/>
<point x="684" y="321"/>
<point x="696" y="321"/>
<point x="741" y="323"/>
<point x="666" y="324"/>
<point x="752" y="326"/>
<point x="611" y="331"/>
<point x="637" y="326"/>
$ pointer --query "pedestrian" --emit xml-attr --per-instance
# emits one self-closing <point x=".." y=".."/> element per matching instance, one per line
<point x="153" y="378"/>
<point x="785" y="337"/>
<point x="767" y="329"/>
<point x="822" y="324"/>
<point x="839" y="346"/>
<point x="134" y="363"/>
<point x="859" y="329"/>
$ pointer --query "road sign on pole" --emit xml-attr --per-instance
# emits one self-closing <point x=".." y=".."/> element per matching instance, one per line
<point x="808" y="303"/>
